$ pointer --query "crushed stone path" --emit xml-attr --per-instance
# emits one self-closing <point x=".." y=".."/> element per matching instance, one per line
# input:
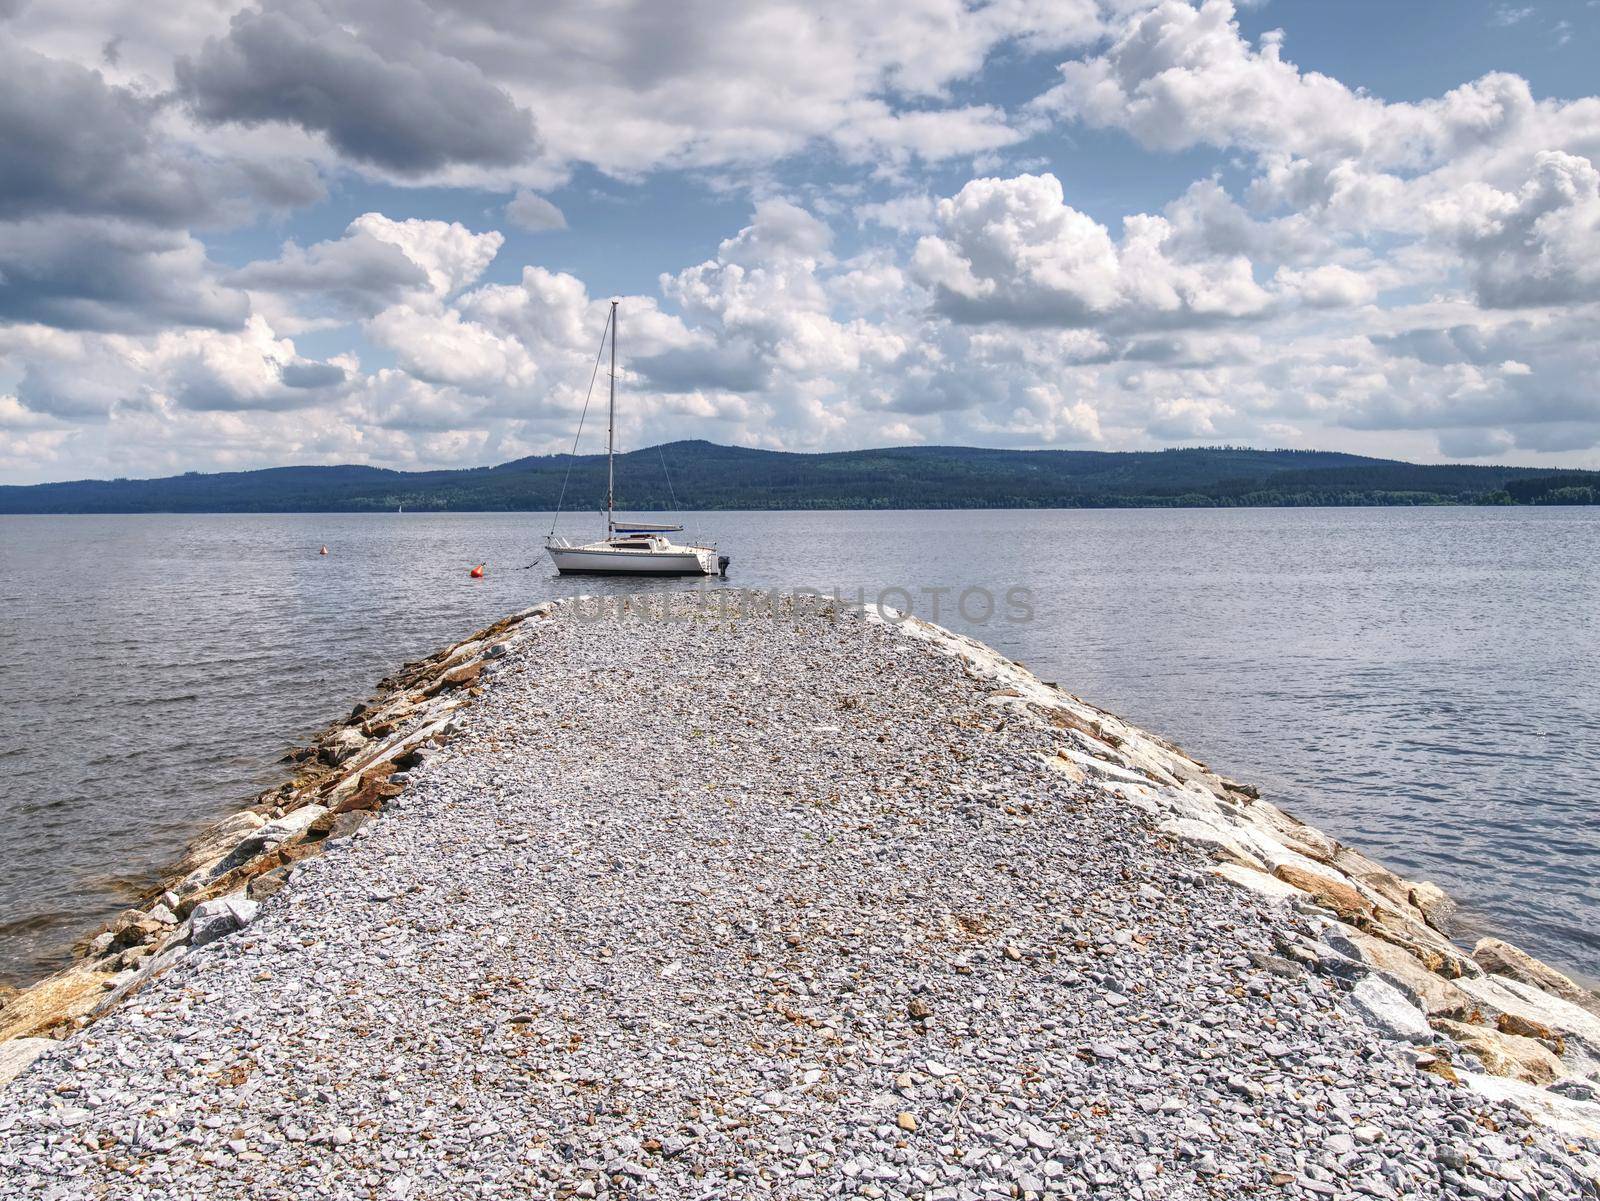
<point x="725" y="907"/>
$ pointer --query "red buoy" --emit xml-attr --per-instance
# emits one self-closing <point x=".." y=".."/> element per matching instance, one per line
<point x="323" y="551"/>
<point x="477" y="572"/>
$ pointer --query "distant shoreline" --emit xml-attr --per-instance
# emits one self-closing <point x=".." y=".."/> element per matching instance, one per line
<point x="422" y="511"/>
<point x="703" y="477"/>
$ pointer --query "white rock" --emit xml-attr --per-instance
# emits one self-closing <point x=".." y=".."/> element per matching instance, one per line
<point x="1213" y="836"/>
<point x="216" y="918"/>
<point x="1386" y="1009"/>
<point x="281" y="829"/>
<point x="1579" y="1119"/>
<point x="16" y="1054"/>
<point x="1255" y="881"/>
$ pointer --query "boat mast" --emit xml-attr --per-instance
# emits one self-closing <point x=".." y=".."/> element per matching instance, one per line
<point x="611" y="428"/>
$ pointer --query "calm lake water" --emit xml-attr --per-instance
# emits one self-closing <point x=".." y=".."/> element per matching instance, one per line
<point x="1422" y="683"/>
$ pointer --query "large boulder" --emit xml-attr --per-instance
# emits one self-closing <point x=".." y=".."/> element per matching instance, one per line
<point x="1427" y="944"/>
<point x="219" y="839"/>
<point x="1503" y="959"/>
<point x="1295" y="834"/>
<point x="1385" y="1008"/>
<point x="54" y="1001"/>
<point x="1332" y="894"/>
<point x="1436" y="996"/>
<point x="340" y="745"/>
<point x="1578" y="1119"/>
<point x="1577" y="1029"/>
<point x="1373" y="875"/>
<point x="1505" y="1054"/>
<point x="1435" y="905"/>
<point x="1255" y="881"/>
<point x="220" y="917"/>
<point x="263" y="838"/>
<point x="16" y="1054"/>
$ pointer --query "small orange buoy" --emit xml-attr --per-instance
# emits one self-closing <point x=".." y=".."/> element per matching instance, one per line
<point x="477" y="572"/>
<point x="323" y="551"/>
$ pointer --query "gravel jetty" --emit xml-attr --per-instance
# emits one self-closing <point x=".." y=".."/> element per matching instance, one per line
<point x="721" y="896"/>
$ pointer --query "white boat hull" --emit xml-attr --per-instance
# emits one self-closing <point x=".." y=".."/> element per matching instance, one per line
<point x="583" y="560"/>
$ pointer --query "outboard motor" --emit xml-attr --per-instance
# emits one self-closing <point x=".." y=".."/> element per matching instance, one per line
<point x="722" y="565"/>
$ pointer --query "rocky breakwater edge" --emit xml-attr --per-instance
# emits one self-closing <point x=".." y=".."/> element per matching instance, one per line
<point x="784" y="902"/>
<point x="340" y="783"/>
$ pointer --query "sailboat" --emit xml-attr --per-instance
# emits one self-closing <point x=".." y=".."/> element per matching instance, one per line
<point x="629" y="547"/>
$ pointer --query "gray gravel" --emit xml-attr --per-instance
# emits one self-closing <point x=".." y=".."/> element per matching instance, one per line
<point x="755" y="908"/>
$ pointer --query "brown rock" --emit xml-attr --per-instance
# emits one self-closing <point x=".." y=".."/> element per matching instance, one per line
<point x="1434" y="994"/>
<point x="297" y="851"/>
<point x="1427" y="944"/>
<point x="1505" y="1054"/>
<point x="1440" y="1067"/>
<point x="1503" y="959"/>
<point x="133" y="934"/>
<point x="919" y="1009"/>
<point x="246" y="873"/>
<point x="1326" y="891"/>
<point x="132" y="957"/>
<point x="373" y="791"/>
<point x="1515" y="1023"/>
<point x="51" y="1005"/>
<point x="1373" y="875"/>
<point x="906" y="1121"/>
<point x="268" y="883"/>
<point x="346" y="824"/>
<point x="1067" y="767"/>
<point x="455" y="678"/>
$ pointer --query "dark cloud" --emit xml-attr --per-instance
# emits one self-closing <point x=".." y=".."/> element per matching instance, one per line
<point x="1538" y="247"/>
<point x="1443" y="347"/>
<point x="71" y="143"/>
<point x="696" y="368"/>
<point x="310" y="374"/>
<point x="282" y="183"/>
<point x="66" y="391"/>
<point x="96" y="274"/>
<point x="358" y="273"/>
<point x="198" y="385"/>
<point x="96" y="203"/>
<point x="402" y="107"/>
<point x="1532" y="385"/>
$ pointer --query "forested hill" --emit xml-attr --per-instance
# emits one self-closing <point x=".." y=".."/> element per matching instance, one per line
<point x="706" y="476"/>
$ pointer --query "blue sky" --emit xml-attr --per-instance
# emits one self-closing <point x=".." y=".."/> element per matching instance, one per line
<point x="342" y="231"/>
